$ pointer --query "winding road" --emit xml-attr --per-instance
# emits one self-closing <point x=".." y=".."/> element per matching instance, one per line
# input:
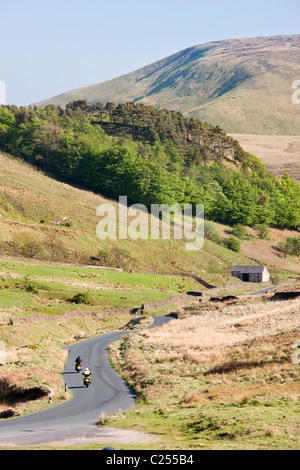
<point x="76" y="420"/>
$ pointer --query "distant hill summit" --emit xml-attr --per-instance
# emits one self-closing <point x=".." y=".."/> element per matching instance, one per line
<point x="242" y="85"/>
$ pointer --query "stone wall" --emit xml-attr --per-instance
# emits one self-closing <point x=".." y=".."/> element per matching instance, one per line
<point x="163" y="273"/>
<point x="169" y="301"/>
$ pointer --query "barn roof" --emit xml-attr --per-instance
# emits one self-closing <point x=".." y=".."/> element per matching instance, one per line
<point x="249" y="269"/>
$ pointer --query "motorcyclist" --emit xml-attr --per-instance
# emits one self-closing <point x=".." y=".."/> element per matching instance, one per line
<point x="86" y="373"/>
<point x="78" y="361"/>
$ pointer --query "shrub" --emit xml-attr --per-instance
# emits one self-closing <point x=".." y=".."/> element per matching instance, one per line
<point x="30" y="286"/>
<point x="26" y="245"/>
<point x="67" y="223"/>
<point x="80" y="298"/>
<point x="56" y="249"/>
<point x="211" y="233"/>
<point x="263" y="231"/>
<point x="114" y="257"/>
<point x="291" y="246"/>
<point x="102" y="419"/>
<point x="239" y="231"/>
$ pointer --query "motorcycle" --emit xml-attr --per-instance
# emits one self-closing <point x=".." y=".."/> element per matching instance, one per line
<point x="87" y="381"/>
<point x="78" y="368"/>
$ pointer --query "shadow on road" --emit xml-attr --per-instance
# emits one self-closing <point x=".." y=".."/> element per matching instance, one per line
<point x="81" y="386"/>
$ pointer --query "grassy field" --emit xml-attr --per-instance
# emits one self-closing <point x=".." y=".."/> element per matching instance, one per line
<point x="28" y="287"/>
<point x="279" y="153"/>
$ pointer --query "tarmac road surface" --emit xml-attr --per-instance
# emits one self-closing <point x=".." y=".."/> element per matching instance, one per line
<point x="77" y="418"/>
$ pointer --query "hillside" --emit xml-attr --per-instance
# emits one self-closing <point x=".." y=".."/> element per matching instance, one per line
<point x="153" y="157"/>
<point x="51" y="296"/>
<point x="217" y="378"/>
<point x="59" y="223"/>
<point x="243" y="85"/>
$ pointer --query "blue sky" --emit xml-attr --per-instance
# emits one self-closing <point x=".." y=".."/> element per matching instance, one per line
<point x="51" y="46"/>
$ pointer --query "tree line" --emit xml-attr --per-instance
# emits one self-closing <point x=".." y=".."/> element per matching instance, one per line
<point x="152" y="156"/>
<point x="195" y="140"/>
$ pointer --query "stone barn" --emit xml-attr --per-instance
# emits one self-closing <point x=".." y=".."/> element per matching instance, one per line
<point x="251" y="273"/>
